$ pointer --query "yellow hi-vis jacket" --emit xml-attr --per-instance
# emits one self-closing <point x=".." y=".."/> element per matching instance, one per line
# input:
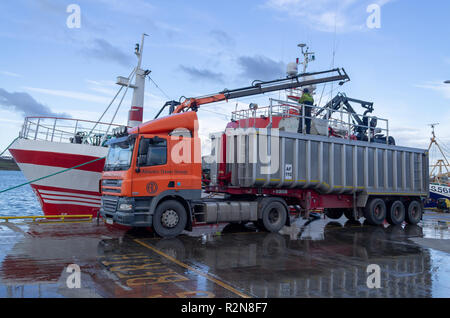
<point x="306" y="99"/>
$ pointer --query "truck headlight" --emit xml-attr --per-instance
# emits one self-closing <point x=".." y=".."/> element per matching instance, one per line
<point x="125" y="207"/>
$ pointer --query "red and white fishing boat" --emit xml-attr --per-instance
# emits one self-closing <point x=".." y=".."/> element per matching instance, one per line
<point x="47" y="145"/>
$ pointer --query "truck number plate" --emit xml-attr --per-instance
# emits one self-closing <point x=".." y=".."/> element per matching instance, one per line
<point x="109" y="221"/>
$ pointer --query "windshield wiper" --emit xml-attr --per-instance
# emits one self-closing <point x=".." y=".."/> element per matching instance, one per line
<point x="121" y="167"/>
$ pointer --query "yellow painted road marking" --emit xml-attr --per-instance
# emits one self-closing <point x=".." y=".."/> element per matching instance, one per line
<point x="174" y="260"/>
<point x="34" y="217"/>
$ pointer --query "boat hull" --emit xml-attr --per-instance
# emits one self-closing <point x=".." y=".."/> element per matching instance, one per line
<point x="73" y="192"/>
<point x="437" y="191"/>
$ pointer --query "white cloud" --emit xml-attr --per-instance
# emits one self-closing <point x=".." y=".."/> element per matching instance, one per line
<point x="440" y="87"/>
<point x="167" y="27"/>
<point x="131" y="7"/>
<point x="70" y="94"/>
<point x="11" y="74"/>
<point x="327" y="15"/>
<point x="409" y="125"/>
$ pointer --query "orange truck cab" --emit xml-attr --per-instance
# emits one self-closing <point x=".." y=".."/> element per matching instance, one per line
<point x="153" y="178"/>
<point x="153" y="169"/>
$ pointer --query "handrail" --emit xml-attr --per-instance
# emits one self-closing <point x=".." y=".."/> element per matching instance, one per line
<point x="60" y="129"/>
<point x="283" y="108"/>
<point x="72" y="119"/>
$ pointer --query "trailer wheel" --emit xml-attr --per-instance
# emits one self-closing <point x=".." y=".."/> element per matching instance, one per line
<point x="274" y="216"/>
<point x="334" y="213"/>
<point x="396" y="213"/>
<point x="414" y="213"/>
<point x="169" y="219"/>
<point x="375" y="212"/>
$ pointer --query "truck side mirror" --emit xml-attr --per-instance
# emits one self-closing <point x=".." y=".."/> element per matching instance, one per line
<point x="143" y="146"/>
<point x="142" y="153"/>
<point x="141" y="161"/>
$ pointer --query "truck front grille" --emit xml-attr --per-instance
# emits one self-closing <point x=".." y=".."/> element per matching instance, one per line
<point x="109" y="204"/>
<point x="112" y="182"/>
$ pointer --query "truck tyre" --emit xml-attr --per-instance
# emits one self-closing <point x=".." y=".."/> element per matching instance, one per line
<point x="414" y="213"/>
<point x="396" y="213"/>
<point x="375" y="212"/>
<point x="334" y="213"/>
<point x="169" y="219"/>
<point x="274" y="216"/>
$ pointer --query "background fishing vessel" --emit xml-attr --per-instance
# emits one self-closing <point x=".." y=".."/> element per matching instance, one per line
<point x="47" y="145"/>
<point x="439" y="172"/>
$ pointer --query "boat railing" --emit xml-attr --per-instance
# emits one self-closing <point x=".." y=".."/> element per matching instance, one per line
<point x="67" y="130"/>
<point x="337" y="123"/>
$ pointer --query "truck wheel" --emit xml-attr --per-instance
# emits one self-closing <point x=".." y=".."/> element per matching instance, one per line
<point x="396" y="213"/>
<point x="375" y="212"/>
<point x="414" y="213"/>
<point x="169" y="219"/>
<point x="274" y="216"/>
<point x="334" y="213"/>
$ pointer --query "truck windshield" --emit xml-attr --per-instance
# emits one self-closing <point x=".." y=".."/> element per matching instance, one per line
<point x="119" y="155"/>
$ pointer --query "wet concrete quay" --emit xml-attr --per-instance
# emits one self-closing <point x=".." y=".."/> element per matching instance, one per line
<point x="323" y="258"/>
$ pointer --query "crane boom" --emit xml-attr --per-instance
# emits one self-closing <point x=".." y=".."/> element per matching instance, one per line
<point x="260" y="87"/>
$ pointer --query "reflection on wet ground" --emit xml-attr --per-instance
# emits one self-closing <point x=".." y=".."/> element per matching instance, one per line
<point x="323" y="258"/>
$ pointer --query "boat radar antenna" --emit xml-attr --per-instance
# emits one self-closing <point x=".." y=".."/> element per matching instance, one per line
<point x="307" y="56"/>
<point x="292" y="72"/>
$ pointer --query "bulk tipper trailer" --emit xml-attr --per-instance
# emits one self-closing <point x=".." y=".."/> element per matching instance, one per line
<point x="264" y="168"/>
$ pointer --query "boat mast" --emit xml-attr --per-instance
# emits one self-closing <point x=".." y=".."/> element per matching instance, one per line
<point x="135" y="115"/>
<point x="292" y="71"/>
<point x="440" y="164"/>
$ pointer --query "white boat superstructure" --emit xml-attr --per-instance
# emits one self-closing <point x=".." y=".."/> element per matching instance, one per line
<point x="47" y="145"/>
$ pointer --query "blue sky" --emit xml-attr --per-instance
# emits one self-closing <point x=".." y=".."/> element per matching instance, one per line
<point x="199" y="47"/>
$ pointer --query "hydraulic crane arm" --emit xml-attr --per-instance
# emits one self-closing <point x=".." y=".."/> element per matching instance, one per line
<point x="342" y="99"/>
<point x="260" y="87"/>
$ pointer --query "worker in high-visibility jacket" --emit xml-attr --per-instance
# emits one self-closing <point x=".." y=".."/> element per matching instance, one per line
<point x="306" y="100"/>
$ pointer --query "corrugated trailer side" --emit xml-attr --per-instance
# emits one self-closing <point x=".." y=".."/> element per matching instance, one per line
<point x="326" y="164"/>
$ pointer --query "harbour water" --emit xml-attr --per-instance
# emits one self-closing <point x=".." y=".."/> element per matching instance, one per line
<point x="20" y="201"/>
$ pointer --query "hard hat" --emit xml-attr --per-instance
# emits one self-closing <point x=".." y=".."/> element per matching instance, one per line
<point x="305" y="90"/>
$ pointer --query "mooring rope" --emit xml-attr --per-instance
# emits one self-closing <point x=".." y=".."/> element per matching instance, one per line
<point x="1" y="154"/>
<point x="51" y="175"/>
